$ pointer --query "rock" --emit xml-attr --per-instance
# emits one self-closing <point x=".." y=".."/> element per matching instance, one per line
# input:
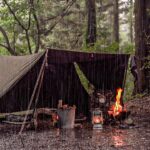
<point x="123" y="126"/>
<point x="129" y="121"/>
<point x="78" y="125"/>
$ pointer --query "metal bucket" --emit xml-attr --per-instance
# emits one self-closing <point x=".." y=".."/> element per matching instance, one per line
<point x="67" y="117"/>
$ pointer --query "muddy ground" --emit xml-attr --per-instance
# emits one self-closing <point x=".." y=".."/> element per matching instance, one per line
<point x="109" y="138"/>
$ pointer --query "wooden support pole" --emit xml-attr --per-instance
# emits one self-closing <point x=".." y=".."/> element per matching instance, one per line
<point x="38" y="92"/>
<point x="34" y="90"/>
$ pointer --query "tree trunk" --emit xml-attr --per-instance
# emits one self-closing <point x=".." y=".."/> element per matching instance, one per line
<point x="91" y="29"/>
<point x="141" y="46"/>
<point x="116" y="21"/>
<point x="131" y="21"/>
<point x="147" y="44"/>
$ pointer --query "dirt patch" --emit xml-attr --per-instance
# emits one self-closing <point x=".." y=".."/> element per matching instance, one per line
<point x="140" y="110"/>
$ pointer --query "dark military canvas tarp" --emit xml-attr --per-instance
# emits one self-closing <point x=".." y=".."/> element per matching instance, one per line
<point x="61" y="81"/>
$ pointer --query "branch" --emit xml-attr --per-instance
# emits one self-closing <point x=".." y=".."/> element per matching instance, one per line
<point x="14" y="15"/>
<point x="8" y="47"/>
<point x="77" y="40"/>
<point x="29" y="21"/>
<point x="55" y="17"/>
<point x="60" y="17"/>
<point x="4" y="46"/>
<point x="28" y="41"/>
<point x="22" y="26"/>
<point x="37" y="26"/>
<point x="103" y="8"/>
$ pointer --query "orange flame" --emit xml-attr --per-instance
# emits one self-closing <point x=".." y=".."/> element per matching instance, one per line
<point x="97" y="119"/>
<point x="117" y="108"/>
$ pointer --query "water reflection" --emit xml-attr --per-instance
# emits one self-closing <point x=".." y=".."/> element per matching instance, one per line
<point x="110" y="137"/>
<point x="105" y="136"/>
<point x="66" y="133"/>
<point x="97" y="136"/>
<point x="118" y="140"/>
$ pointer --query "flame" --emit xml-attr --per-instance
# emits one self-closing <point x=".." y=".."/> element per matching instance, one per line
<point x="117" y="108"/>
<point x="98" y="119"/>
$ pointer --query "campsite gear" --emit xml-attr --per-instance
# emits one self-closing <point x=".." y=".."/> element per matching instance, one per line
<point x="17" y="118"/>
<point x="97" y="119"/>
<point x="51" y="119"/>
<point x="41" y="79"/>
<point x="104" y="71"/>
<point x="60" y="102"/>
<point x="37" y="88"/>
<point x="13" y="69"/>
<point x="67" y="117"/>
<point x="101" y="99"/>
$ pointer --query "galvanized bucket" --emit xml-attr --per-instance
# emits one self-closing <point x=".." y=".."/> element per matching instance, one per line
<point x="67" y="117"/>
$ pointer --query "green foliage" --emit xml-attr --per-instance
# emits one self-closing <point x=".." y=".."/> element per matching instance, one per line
<point x="103" y="47"/>
<point x="128" y="48"/>
<point x="114" y="47"/>
<point x="129" y="86"/>
<point x="147" y="63"/>
<point x="69" y="33"/>
<point x="4" y="52"/>
<point x="84" y="81"/>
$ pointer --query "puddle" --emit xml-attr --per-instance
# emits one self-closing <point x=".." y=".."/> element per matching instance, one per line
<point x="105" y="139"/>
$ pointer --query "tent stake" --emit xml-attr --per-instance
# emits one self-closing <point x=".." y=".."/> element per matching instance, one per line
<point x="33" y="94"/>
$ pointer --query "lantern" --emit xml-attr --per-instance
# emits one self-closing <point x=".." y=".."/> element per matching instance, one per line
<point x="97" y="119"/>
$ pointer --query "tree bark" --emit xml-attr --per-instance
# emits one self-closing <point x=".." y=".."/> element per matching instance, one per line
<point x="116" y="21"/>
<point x="91" y="29"/>
<point x="147" y="42"/>
<point x="131" y="21"/>
<point x="139" y="43"/>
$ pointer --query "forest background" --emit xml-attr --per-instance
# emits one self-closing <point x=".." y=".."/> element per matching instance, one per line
<point x="108" y="26"/>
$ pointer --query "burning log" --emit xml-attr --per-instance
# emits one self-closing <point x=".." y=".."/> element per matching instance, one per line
<point x="117" y="112"/>
<point x="117" y="108"/>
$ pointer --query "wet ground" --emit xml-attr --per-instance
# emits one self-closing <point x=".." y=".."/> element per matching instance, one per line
<point x="109" y="138"/>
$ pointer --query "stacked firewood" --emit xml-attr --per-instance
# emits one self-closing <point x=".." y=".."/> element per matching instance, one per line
<point x="100" y="99"/>
<point x="50" y="119"/>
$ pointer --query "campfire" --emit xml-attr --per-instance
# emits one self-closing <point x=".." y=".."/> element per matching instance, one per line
<point x="117" y="108"/>
<point x="110" y="113"/>
<point x="117" y="113"/>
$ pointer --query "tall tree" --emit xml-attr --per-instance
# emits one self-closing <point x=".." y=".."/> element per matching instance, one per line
<point x="131" y="21"/>
<point x="142" y="40"/>
<point x="147" y="43"/>
<point x="26" y="26"/>
<point x="91" y="29"/>
<point x="116" y="21"/>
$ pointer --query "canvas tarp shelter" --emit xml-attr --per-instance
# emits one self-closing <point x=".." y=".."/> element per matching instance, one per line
<point x="12" y="68"/>
<point x="61" y="81"/>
